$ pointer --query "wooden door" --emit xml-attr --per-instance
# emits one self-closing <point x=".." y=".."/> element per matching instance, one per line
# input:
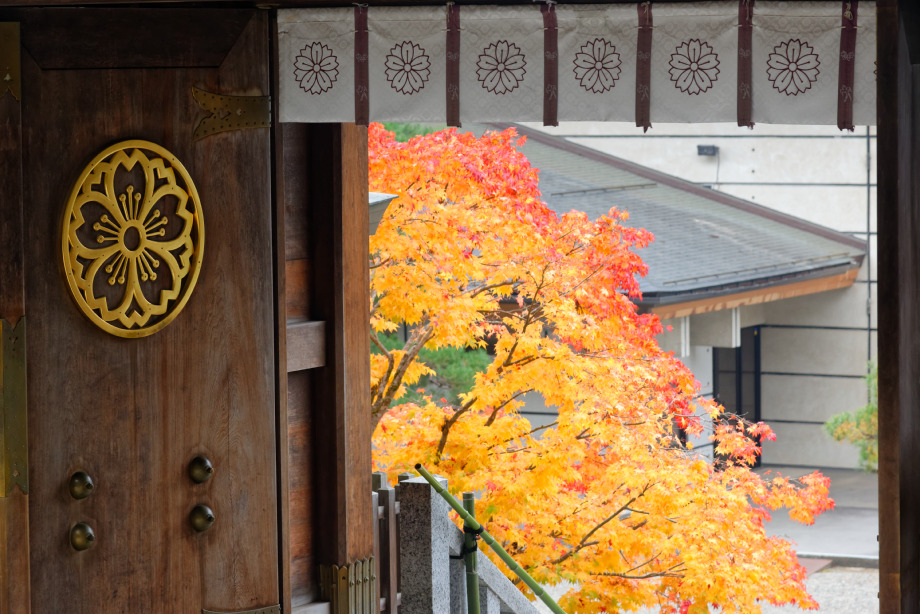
<point x="133" y="412"/>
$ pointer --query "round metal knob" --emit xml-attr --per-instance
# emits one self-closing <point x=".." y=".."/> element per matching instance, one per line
<point x="82" y="537"/>
<point x="81" y="485"/>
<point x="202" y="518"/>
<point x="200" y="470"/>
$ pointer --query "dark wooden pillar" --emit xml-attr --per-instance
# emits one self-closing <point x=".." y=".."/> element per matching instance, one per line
<point x="14" y="503"/>
<point x="337" y="189"/>
<point x="899" y="305"/>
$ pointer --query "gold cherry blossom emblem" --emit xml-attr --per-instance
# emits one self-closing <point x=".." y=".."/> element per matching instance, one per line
<point x="133" y="238"/>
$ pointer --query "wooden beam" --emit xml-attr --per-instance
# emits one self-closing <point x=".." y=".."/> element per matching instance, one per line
<point x="337" y="176"/>
<point x="14" y="507"/>
<point x="306" y="345"/>
<point x="899" y="320"/>
<point x="755" y="297"/>
<point x="282" y="425"/>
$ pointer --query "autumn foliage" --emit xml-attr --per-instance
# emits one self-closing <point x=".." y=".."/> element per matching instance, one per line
<point x="606" y="497"/>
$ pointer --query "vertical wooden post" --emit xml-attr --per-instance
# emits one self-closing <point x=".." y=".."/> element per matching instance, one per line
<point x="899" y="294"/>
<point x="14" y="506"/>
<point x="285" y="588"/>
<point x="337" y="183"/>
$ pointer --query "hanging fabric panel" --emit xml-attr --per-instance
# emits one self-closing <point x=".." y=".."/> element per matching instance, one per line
<point x="720" y="61"/>
<point x="597" y="73"/>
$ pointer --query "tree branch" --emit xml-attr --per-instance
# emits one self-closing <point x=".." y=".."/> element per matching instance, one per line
<point x="420" y="337"/>
<point x="584" y="543"/>
<point x="445" y="428"/>
<point x="499" y="408"/>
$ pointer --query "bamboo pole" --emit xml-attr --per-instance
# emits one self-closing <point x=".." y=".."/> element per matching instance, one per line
<point x="469" y="559"/>
<point x="494" y="545"/>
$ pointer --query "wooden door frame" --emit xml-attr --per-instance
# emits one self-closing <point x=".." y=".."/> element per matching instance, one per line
<point x="14" y="506"/>
<point x="899" y="296"/>
<point x="899" y="331"/>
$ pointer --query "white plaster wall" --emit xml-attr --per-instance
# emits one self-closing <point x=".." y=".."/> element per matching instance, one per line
<point x="806" y="445"/>
<point x="845" y="307"/>
<point x="699" y="361"/>
<point x="802" y="398"/>
<point x="813" y="351"/>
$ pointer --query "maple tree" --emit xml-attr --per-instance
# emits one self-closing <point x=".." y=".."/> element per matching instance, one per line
<point x="606" y="497"/>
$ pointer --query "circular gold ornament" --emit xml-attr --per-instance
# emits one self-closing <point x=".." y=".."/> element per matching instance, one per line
<point x="133" y="238"/>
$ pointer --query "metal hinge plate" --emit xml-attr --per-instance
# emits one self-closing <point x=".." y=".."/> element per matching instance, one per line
<point x="10" y="67"/>
<point x="231" y="112"/>
<point x="272" y="609"/>
<point x="14" y="434"/>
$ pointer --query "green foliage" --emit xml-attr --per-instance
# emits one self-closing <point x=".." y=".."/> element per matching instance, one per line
<point x="860" y="427"/>
<point x="404" y="132"/>
<point x="455" y="370"/>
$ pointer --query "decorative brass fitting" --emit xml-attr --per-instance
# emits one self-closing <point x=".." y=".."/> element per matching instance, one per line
<point x="200" y="470"/>
<point x="81" y="485"/>
<point x="351" y="588"/>
<point x="202" y="518"/>
<point x="82" y="537"/>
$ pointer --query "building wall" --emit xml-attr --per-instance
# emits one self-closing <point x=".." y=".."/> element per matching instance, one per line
<point x="814" y="349"/>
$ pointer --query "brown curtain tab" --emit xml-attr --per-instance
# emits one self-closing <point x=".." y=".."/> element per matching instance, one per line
<point x="362" y="89"/>
<point x="550" y="65"/>
<point x="745" y="56"/>
<point x="847" y="66"/>
<point x="644" y="66"/>
<point x="453" y="65"/>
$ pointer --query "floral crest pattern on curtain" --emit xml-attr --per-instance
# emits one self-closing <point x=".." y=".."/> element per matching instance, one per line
<point x="733" y="61"/>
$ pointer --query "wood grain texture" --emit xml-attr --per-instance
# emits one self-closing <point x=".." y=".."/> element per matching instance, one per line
<point x="337" y="175"/>
<point x="301" y="480"/>
<point x="306" y="345"/>
<point x="297" y="288"/>
<point x="132" y="413"/>
<point x="756" y="297"/>
<point x="355" y="341"/>
<point x="899" y="322"/>
<point x="297" y="237"/>
<point x="307" y="3"/>
<point x="15" y="584"/>
<point x="132" y="38"/>
<point x="12" y="302"/>
<point x="281" y="308"/>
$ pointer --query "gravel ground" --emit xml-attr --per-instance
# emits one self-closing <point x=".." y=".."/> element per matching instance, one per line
<point x="838" y="590"/>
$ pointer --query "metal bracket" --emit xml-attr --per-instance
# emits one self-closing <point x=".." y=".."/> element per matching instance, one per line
<point x="351" y="588"/>
<point x="10" y="66"/>
<point x="272" y="609"/>
<point x="231" y="112"/>
<point x="14" y="434"/>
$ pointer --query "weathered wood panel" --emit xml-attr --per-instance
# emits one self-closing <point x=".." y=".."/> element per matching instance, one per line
<point x="301" y="482"/>
<point x="297" y="236"/>
<point x="133" y="413"/>
<point x="306" y="343"/>
<point x="14" y="509"/>
<point x="899" y="320"/>
<point x="132" y="38"/>
<point x="297" y="289"/>
<point x="12" y="303"/>
<point x="337" y="176"/>
<point x="306" y="3"/>
<point x="281" y="308"/>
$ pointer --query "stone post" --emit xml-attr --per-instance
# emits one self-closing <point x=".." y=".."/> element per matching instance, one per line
<point x="425" y="530"/>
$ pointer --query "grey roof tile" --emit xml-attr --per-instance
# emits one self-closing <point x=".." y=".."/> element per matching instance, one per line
<point x="706" y="243"/>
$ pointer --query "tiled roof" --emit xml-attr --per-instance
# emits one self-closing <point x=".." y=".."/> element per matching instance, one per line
<point x="707" y="243"/>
